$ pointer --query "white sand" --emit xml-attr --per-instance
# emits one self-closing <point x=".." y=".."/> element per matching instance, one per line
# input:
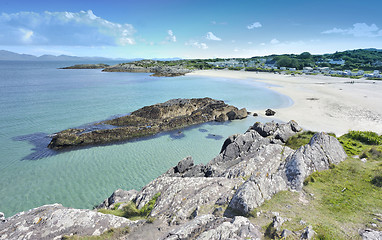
<point x="337" y="106"/>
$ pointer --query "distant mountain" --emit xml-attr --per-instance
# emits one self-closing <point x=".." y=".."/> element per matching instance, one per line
<point x="11" y="56"/>
<point x="7" y="55"/>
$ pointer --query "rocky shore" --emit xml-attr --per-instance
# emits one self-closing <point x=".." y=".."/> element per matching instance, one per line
<point x="87" y="66"/>
<point x="149" y="120"/>
<point x="158" y="68"/>
<point x="211" y="201"/>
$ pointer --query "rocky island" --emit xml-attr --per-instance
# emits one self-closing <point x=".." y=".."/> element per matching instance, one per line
<point x="219" y="200"/>
<point x="158" y="68"/>
<point x="87" y="66"/>
<point x="149" y="120"/>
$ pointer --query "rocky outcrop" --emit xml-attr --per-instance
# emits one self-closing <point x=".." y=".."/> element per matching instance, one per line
<point x="269" y="112"/>
<point x="289" y="174"/>
<point x="204" y="201"/>
<point x="87" y="66"/>
<point x="250" y="169"/>
<point x="260" y="156"/>
<point x="158" y="68"/>
<point x="149" y="120"/>
<point x="55" y="221"/>
<point x="181" y="196"/>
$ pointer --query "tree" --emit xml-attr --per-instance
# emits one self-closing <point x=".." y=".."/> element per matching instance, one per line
<point x="305" y="55"/>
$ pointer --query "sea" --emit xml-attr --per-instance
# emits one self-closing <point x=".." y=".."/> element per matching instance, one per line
<point x="37" y="99"/>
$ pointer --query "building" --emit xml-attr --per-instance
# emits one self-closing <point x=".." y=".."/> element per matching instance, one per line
<point x="307" y="70"/>
<point x="336" y="61"/>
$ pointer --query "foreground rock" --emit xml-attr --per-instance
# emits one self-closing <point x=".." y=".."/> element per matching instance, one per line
<point x="149" y="120"/>
<point x="202" y="192"/>
<point x="203" y="201"/>
<point x="87" y="66"/>
<point x="55" y="221"/>
<point x="158" y="68"/>
<point x="289" y="174"/>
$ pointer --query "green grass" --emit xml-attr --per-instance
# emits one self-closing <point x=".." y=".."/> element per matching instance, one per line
<point x="338" y="201"/>
<point x="299" y="139"/>
<point x="131" y="211"/>
<point x="356" y="142"/>
<point x="343" y="198"/>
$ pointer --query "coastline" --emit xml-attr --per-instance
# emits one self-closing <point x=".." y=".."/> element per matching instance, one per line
<point x="321" y="103"/>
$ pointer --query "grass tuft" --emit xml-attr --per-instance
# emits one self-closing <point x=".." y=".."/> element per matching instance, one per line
<point x="300" y="139"/>
<point x="131" y="211"/>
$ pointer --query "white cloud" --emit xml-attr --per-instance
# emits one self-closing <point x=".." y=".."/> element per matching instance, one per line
<point x="26" y="35"/>
<point x="250" y="43"/>
<point x="171" y="37"/>
<point x="254" y="25"/>
<point x="211" y="36"/>
<point x="196" y="44"/>
<point x="262" y="44"/>
<point x="358" y="30"/>
<point x="63" y="28"/>
<point x="274" y="41"/>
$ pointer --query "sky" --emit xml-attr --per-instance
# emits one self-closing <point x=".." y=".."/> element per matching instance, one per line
<point x="188" y="28"/>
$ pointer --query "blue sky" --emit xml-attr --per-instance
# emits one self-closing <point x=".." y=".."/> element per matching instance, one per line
<point x="188" y="29"/>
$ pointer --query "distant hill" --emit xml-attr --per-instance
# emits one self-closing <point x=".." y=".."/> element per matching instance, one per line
<point x="7" y="55"/>
<point x="12" y="56"/>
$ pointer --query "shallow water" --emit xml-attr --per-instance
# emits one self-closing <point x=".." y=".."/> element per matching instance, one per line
<point x="37" y="99"/>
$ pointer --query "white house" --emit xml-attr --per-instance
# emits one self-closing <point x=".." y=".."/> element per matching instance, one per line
<point x="324" y="69"/>
<point x="337" y="61"/>
<point x="307" y="70"/>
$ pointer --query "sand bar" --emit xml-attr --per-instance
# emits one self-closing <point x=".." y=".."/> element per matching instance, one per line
<point x="321" y="103"/>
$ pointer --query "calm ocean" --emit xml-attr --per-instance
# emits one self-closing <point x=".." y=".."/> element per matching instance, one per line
<point x="37" y="99"/>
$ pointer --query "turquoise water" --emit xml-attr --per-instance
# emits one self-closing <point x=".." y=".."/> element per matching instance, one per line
<point x="37" y="99"/>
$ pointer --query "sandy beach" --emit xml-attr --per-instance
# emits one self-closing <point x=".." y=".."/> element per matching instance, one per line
<point x="321" y="103"/>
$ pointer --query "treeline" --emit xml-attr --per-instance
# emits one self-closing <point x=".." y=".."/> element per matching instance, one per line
<point x="361" y="59"/>
<point x="365" y="59"/>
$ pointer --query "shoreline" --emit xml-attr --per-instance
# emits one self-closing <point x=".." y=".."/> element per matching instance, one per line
<point x="320" y="103"/>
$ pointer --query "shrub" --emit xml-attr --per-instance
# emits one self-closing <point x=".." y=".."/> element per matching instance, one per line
<point x="366" y="137"/>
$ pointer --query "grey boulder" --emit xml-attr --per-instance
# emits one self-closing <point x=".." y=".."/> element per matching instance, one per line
<point x="118" y="196"/>
<point x="54" y="221"/>
<point x="322" y="151"/>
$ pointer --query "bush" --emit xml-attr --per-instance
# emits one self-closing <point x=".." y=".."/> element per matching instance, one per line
<point x="367" y="137"/>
